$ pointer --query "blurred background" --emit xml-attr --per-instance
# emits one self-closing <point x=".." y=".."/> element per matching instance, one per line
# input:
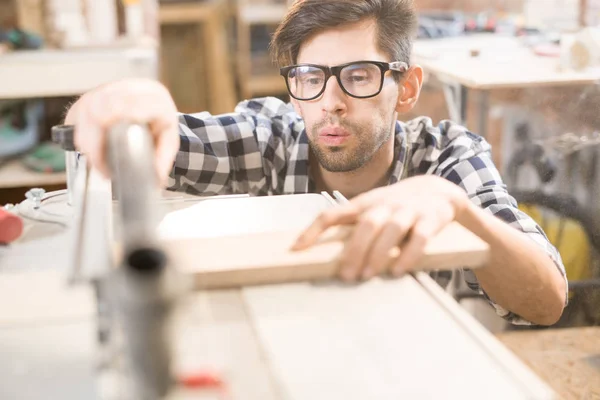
<point x="522" y="73"/>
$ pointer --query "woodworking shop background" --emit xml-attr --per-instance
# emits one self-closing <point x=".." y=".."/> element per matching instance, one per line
<point x="213" y="53"/>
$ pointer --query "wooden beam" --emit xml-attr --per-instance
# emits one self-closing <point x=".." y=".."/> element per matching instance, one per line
<point x="209" y="17"/>
<point x="186" y="13"/>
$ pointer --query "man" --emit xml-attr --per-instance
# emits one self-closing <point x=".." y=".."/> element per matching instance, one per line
<point x="347" y="67"/>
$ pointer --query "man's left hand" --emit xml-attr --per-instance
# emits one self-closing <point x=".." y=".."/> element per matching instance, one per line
<point x="404" y="215"/>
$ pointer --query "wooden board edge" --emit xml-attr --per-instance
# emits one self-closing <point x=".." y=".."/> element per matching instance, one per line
<point x="531" y="383"/>
<point x="235" y="278"/>
<point x="228" y="279"/>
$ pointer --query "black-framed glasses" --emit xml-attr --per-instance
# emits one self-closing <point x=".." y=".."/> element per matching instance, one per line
<point x="359" y="79"/>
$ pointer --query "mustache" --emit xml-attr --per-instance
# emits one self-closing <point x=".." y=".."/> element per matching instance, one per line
<point x="347" y="125"/>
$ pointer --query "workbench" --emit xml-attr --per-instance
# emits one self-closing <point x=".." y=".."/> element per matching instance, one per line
<point x="293" y="341"/>
<point x="383" y="339"/>
<point x="567" y="359"/>
<point x="501" y="62"/>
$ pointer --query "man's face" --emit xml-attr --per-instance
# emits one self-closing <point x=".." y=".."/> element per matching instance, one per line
<point x="345" y="132"/>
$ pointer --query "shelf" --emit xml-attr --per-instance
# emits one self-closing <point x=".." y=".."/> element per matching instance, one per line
<point x="14" y="174"/>
<point x="54" y="73"/>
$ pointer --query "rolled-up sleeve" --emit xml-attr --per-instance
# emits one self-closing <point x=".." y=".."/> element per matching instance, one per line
<point x="242" y="152"/>
<point x="471" y="167"/>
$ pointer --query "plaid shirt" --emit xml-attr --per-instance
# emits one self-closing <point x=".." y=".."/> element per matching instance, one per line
<point x="262" y="149"/>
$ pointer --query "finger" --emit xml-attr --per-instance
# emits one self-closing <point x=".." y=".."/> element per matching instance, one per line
<point x="89" y="139"/>
<point x="71" y="117"/>
<point x="392" y="235"/>
<point x="424" y="229"/>
<point x="166" y="132"/>
<point x="110" y="108"/>
<point x="346" y="214"/>
<point x="353" y="261"/>
<point x="167" y="147"/>
<point x="368" y="199"/>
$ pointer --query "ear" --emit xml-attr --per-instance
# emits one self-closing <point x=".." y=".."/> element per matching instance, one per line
<point x="409" y="89"/>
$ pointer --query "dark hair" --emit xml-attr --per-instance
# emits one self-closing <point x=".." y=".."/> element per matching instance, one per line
<point x="396" y="25"/>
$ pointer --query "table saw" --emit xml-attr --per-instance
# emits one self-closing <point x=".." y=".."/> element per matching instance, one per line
<point x="101" y="273"/>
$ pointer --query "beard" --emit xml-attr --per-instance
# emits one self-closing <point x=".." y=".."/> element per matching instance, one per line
<point x="368" y="139"/>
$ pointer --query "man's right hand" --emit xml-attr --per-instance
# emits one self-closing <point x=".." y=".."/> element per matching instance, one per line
<point x="135" y="101"/>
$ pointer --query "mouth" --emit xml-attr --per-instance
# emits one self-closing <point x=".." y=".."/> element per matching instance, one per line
<point x="333" y="135"/>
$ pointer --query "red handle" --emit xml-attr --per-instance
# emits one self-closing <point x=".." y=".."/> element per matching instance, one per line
<point x="11" y="226"/>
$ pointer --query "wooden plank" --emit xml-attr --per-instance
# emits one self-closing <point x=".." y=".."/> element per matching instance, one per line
<point x="253" y="259"/>
<point x="233" y="215"/>
<point x="568" y="359"/>
<point x="378" y="340"/>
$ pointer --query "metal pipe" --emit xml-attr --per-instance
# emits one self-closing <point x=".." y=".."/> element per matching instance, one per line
<point x="143" y="288"/>
<point x="72" y="163"/>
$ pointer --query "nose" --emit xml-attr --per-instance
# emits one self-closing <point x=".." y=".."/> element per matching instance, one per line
<point x="333" y="100"/>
